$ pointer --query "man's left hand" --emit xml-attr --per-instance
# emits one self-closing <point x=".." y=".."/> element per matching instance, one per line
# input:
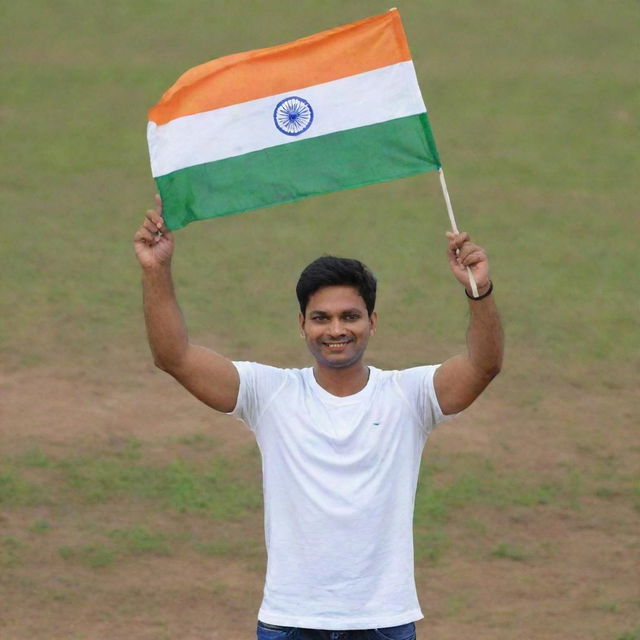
<point x="462" y="253"/>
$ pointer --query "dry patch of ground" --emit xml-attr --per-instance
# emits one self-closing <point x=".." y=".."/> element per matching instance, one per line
<point x="561" y="568"/>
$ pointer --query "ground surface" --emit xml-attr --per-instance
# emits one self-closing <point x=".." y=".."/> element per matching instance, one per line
<point x="128" y="510"/>
<point x="555" y="565"/>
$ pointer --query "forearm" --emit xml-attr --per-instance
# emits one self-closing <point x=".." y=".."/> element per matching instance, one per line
<point x="166" y="329"/>
<point x="461" y="379"/>
<point x="485" y="337"/>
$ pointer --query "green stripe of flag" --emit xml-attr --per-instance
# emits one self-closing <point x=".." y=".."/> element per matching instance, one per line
<point x="342" y="160"/>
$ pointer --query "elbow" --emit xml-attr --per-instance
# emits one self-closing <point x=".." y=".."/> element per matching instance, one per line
<point x="171" y="361"/>
<point x="491" y="365"/>
<point x="493" y="371"/>
<point x="489" y="371"/>
<point x="160" y="364"/>
<point x="165" y="365"/>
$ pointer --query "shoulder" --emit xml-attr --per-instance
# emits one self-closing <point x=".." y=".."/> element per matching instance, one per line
<point x="418" y="374"/>
<point x="246" y="367"/>
<point x="415" y="388"/>
<point x="260" y="384"/>
<point x="408" y="378"/>
<point x="256" y="374"/>
<point x="413" y="384"/>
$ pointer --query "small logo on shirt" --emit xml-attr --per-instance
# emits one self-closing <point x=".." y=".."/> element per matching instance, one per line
<point x="376" y="424"/>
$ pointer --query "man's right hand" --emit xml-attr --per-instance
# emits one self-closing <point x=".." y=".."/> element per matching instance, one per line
<point x="208" y="375"/>
<point x="153" y="242"/>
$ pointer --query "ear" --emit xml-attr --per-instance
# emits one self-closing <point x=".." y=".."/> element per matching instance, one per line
<point x="373" y="319"/>
<point x="301" y="324"/>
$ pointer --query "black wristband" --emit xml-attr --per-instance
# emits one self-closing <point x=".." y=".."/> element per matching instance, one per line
<point x="484" y="295"/>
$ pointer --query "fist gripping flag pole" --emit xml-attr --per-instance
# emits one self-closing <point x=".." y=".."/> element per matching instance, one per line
<point x="335" y="110"/>
<point x="454" y="227"/>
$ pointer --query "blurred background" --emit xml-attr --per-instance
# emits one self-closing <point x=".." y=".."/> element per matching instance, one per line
<point x="128" y="510"/>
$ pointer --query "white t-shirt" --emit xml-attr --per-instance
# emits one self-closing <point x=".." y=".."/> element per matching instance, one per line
<point x="339" y="481"/>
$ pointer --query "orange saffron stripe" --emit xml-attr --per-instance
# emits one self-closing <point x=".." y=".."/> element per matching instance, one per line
<point x="337" y="53"/>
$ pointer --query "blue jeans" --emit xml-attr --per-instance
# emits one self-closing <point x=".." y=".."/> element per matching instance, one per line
<point x="274" y="632"/>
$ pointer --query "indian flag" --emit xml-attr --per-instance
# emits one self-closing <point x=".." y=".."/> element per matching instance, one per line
<point x="338" y="109"/>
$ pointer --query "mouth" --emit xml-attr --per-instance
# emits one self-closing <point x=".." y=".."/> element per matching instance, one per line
<point x="337" y="344"/>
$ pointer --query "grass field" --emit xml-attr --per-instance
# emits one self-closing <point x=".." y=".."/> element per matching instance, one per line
<point x="128" y="510"/>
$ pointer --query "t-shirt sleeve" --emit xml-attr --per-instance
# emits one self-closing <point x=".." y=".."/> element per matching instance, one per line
<point x="418" y="388"/>
<point x="259" y="383"/>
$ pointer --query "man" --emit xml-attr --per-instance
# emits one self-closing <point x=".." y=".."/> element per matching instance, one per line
<point x="341" y="442"/>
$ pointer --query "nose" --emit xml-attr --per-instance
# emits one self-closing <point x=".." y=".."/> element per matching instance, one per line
<point x="335" y="328"/>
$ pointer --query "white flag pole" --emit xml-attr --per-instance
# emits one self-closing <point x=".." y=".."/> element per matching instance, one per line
<point x="454" y="227"/>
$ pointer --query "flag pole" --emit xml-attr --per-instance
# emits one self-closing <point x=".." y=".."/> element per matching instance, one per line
<point x="454" y="227"/>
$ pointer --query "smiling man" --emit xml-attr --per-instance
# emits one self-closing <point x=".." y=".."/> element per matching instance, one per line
<point x="341" y="441"/>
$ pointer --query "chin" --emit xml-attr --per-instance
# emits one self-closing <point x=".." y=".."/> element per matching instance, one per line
<point x="341" y="363"/>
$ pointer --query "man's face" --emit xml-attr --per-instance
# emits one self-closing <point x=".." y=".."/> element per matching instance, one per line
<point x="337" y="326"/>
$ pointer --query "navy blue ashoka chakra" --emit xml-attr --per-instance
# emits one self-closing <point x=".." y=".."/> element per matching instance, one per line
<point x="293" y="115"/>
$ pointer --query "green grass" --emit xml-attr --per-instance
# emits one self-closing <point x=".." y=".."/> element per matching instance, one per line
<point x="139" y="541"/>
<point x="216" y="487"/>
<point x="199" y="441"/>
<point x="249" y="549"/>
<point x="94" y="556"/>
<point x="40" y="526"/>
<point x="536" y="132"/>
<point x="473" y="479"/>
<point x="449" y="487"/>
<point x="34" y="458"/>
<point x="509" y="551"/>
<point x="177" y="485"/>
<point x="535" y="110"/>
<point x="11" y="551"/>
<point x="16" y="491"/>
<point x="122" y="545"/>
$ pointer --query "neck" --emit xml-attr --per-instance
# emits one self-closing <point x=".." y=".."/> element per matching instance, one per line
<point x="342" y="382"/>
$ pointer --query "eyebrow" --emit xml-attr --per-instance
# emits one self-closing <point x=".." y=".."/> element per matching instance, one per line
<point x="326" y="313"/>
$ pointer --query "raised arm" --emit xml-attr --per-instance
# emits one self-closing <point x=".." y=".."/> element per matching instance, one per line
<point x="209" y="376"/>
<point x="461" y="379"/>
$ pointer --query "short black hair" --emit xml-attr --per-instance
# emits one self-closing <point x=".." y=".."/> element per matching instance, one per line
<point x="330" y="271"/>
